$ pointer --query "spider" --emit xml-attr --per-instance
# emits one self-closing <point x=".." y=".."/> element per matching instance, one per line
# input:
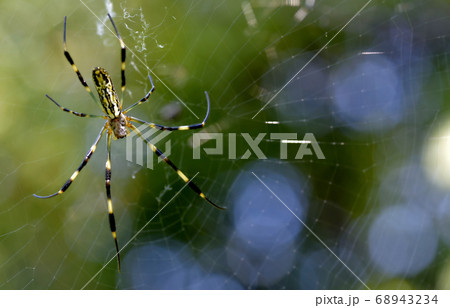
<point x="117" y="125"/>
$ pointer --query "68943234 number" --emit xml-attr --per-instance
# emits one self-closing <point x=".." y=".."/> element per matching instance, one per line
<point x="406" y="299"/>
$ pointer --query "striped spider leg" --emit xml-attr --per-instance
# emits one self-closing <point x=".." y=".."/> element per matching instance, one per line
<point x="160" y="154"/>
<point x="118" y="125"/>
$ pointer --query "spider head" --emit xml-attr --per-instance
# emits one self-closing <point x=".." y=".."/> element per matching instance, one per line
<point x="119" y="126"/>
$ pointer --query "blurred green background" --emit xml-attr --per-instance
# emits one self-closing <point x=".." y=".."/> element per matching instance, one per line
<point x="376" y="100"/>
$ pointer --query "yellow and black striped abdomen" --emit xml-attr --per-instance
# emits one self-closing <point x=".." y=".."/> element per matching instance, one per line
<point x="107" y="94"/>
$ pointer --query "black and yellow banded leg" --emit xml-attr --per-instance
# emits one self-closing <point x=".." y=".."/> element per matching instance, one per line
<point x="78" y="114"/>
<point x="122" y="54"/>
<point x="172" y="128"/>
<point x="112" y="221"/>
<point x="145" y="98"/>
<point x="160" y="154"/>
<point x="74" y="67"/>
<point x="83" y="163"/>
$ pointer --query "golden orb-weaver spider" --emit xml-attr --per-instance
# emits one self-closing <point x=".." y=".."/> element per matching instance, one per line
<point x="118" y="123"/>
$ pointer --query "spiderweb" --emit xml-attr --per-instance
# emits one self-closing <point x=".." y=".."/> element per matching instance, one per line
<point x="368" y="79"/>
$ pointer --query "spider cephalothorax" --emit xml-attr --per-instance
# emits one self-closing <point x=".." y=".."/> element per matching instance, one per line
<point x="118" y="123"/>
<point x="119" y="126"/>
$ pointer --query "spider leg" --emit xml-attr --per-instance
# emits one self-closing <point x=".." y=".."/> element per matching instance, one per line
<point x="112" y="221"/>
<point x="78" y="114"/>
<point x="122" y="54"/>
<point x="83" y="163"/>
<point x="144" y="99"/>
<point x="160" y="154"/>
<point x="171" y="128"/>
<point x="162" y="127"/>
<point x="74" y="67"/>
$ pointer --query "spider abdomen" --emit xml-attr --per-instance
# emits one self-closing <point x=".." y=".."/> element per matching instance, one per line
<point x="107" y="94"/>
